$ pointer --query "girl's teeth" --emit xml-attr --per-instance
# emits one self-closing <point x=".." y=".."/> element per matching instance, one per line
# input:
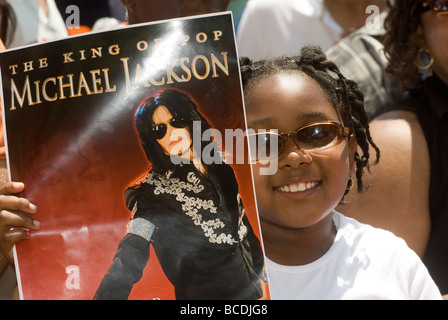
<point x="298" y="187"/>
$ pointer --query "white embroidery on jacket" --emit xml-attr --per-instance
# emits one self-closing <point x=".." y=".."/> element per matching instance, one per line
<point x="191" y="205"/>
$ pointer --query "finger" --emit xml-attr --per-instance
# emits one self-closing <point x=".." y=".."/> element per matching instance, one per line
<point x="12" y="187"/>
<point x="17" y="204"/>
<point x="9" y="239"/>
<point x="9" y="220"/>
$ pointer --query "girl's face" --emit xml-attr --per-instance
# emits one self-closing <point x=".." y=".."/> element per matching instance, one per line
<point x="287" y="102"/>
<point x="433" y="36"/>
<point x="176" y="141"/>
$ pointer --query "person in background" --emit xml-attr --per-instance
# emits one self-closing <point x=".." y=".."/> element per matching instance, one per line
<point x="8" y="23"/>
<point x="408" y="193"/>
<point x="237" y="7"/>
<point x="406" y="102"/>
<point x="90" y="11"/>
<point x="37" y="20"/>
<point x="139" y="11"/>
<point x="276" y="28"/>
<point x="360" y="56"/>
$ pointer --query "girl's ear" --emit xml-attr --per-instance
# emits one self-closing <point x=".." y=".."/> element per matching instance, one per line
<point x="352" y="145"/>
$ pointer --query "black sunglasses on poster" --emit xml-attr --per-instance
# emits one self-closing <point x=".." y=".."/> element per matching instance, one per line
<point x="160" y="129"/>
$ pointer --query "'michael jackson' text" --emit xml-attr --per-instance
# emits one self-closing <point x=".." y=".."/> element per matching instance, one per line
<point x="159" y="68"/>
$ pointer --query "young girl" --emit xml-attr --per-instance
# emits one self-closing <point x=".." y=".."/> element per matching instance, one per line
<point x="323" y="140"/>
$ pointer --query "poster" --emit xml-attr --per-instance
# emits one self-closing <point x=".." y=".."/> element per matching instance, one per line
<point x="70" y="108"/>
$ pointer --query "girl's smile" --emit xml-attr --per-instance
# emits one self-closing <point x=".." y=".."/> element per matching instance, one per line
<point x="297" y="189"/>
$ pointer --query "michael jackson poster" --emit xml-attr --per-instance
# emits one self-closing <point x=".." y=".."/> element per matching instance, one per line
<point x="131" y="143"/>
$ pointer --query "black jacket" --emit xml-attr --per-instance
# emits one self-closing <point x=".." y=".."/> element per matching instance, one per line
<point x="201" y="236"/>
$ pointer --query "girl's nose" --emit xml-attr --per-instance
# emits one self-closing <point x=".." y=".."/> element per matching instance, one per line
<point x="294" y="157"/>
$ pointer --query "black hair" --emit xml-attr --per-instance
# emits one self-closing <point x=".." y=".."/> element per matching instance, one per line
<point x="401" y="24"/>
<point x="343" y="93"/>
<point x="180" y="105"/>
<point x="8" y="22"/>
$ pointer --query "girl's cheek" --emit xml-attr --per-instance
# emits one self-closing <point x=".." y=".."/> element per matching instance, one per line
<point x="261" y="182"/>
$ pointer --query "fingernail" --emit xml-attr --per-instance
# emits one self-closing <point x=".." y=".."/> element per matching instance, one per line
<point x="17" y="185"/>
<point x="32" y="206"/>
<point x="36" y="223"/>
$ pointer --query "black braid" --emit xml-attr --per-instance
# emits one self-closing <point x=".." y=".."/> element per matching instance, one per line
<point x="343" y="93"/>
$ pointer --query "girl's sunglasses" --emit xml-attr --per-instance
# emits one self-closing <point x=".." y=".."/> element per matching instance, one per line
<point x="160" y="129"/>
<point x="436" y="5"/>
<point x="312" y="137"/>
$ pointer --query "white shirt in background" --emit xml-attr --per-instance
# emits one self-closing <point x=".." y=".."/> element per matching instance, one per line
<point x="33" y="25"/>
<point x="272" y="28"/>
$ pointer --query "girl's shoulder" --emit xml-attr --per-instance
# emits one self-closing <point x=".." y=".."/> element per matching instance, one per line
<point x="379" y="257"/>
<point x="366" y="238"/>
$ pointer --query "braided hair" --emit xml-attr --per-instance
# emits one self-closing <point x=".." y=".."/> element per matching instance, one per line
<point x="402" y="22"/>
<point x="343" y="93"/>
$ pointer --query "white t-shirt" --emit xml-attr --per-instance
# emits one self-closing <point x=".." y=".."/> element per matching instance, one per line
<point x="33" y="25"/>
<point x="363" y="263"/>
<point x="269" y="29"/>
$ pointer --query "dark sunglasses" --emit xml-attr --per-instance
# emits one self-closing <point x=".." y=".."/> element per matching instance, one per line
<point x="160" y="129"/>
<point x="312" y="137"/>
<point x="436" y="5"/>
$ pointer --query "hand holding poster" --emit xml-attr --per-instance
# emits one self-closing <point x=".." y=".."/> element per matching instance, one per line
<point x="112" y="135"/>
